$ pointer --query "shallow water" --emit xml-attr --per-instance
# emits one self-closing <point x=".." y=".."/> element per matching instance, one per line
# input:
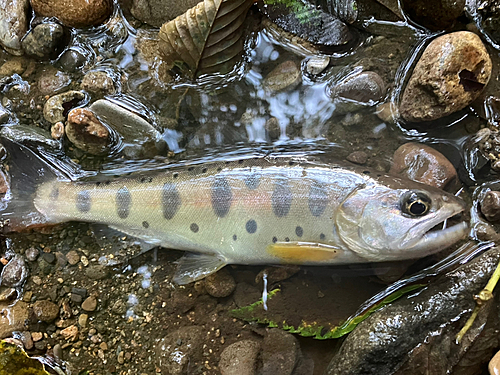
<point x="138" y="305"/>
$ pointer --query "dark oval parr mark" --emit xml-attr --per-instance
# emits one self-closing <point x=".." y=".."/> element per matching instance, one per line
<point x="251" y="226"/>
<point x="83" y="201"/>
<point x="281" y="200"/>
<point x="194" y="228"/>
<point x="170" y="200"/>
<point x="221" y="196"/>
<point x="299" y="231"/>
<point x="318" y="198"/>
<point x="252" y="181"/>
<point x="123" y="202"/>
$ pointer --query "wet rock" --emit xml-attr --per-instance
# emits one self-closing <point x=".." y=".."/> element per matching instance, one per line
<point x="490" y="206"/>
<point x="32" y="253"/>
<point x="27" y="340"/>
<point x="90" y="304"/>
<point x="279" y="353"/>
<point x="44" y="41"/>
<point x="451" y="73"/>
<point x="486" y="14"/>
<point x="436" y="15"/>
<point x="313" y="25"/>
<point x="423" y="164"/>
<point x="220" y="284"/>
<point x="15" y="272"/>
<point x="286" y="76"/>
<point x="97" y="272"/>
<point x="357" y="157"/>
<point x="70" y="333"/>
<point x="86" y="132"/>
<point x="157" y="12"/>
<point x="389" y="339"/>
<point x="57" y="130"/>
<point x="8" y="295"/>
<point x="74" y="13"/>
<point x="363" y="87"/>
<point x="239" y="358"/>
<point x="173" y="351"/>
<point x="72" y="60"/>
<point x="494" y="365"/>
<point x="98" y="82"/>
<point x="140" y="138"/>
<point x="58" y="352"/>
<point x="51" y="81"/>
<point x="48" y="257"/>
<point x="82" y="320"/>
<point x="73" y="257"/>
<point x="13" y="24"/>
<point x="46" y="311"/>
<point x="13" y="318"/>
<point x="317" y="64"/>
<point x="57" y="106"/>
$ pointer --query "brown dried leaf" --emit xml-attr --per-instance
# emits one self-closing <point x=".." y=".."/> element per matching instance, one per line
<point x="208" y="38"/>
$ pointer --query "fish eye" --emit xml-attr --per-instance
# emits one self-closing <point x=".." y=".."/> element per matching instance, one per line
<point x="415" y="203"/>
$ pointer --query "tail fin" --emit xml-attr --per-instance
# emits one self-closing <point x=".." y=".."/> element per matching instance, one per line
<point x="26" y="170"/>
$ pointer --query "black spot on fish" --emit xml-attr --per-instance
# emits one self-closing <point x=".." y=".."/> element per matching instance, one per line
<point x="221" y="196"/>
<point x="281" y="200"/>
<point x="366" y="172"/>
<point x="219" y="169"/>
<point x="144" y="180"/>
<point x="97" y="183"/>
<point x="54" y="193"/>
<point x="170" y="200"/>
<point x="123" y="202"/>
<point x="83" y="202"/>
<point x="287" y="239"/>
<point x="251" y="226"/>
<point x="291" y="163"/>
<point x="145" y="224"/>
<point x="235" y="237"/>
<point x="190" y="169"/>
<point x="194" y="228"/>
<point x="241" y="161"/>
<point x="107" y="182"/>
<point x="322" y="236"/>
<point x="275" y="240"/>
<point x="299" y="231"/>
<point x="175" y="175"/>
<point x="318" y="198"/>
<point x="252" y="181"/>
<point x="204" y="170"/>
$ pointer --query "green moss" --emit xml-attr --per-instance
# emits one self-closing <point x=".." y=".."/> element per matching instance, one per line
<point x="304" y="13"/>
<point x="15" y="361"/>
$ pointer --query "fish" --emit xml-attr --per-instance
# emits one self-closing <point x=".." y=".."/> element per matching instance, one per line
<point x="273" y="209"/>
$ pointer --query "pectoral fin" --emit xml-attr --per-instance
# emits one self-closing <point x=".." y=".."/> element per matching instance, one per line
<point x="303" y="252"/>
<point x="193" y="267"/>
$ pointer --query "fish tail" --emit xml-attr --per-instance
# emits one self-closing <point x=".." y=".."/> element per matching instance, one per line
<point x="26" y="170"/>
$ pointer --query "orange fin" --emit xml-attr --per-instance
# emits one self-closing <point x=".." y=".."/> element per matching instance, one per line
<point x="303" y="252"/>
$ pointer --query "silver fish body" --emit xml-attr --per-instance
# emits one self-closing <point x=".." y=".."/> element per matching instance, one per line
<point x="265" y="211"/>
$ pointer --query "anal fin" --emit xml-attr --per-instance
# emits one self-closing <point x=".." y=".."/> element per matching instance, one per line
<point x="193" y="267"/>
<point x="303" y="252"/>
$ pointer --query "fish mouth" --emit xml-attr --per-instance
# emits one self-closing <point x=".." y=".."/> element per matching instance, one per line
<point x="437" y="237"/>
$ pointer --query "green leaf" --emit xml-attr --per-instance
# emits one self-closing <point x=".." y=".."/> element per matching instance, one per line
<point x="208" y="37"/>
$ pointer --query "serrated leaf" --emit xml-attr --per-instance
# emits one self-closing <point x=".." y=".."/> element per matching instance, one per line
<point x="208" y="37"/>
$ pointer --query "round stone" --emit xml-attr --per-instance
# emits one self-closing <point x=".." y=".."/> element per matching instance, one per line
<point x="87" y="132"/>
<point x="45" y="311"/>
<point x="44" y="41"/>
<point x="220" y="284"/>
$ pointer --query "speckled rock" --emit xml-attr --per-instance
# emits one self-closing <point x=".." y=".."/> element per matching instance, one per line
<point x="44" y="41"/>
<point x="279" y="353"/>
<point x="357" y="157"/>
<point x="32" y="254"/>
<point x="13" y="24"/>
<point x="220" y="284"/>
<point x="96" y="272"/>
<point x="45" y="310"/>
<point x="174" y="350"/>
<point x="98" y="82"/>
<point x="15" y="272"/>
<point x="240" y="358"/>
<point x="157" y="12"/>
<point x="490" y="206"/>
<point x="286" y="76"/>
<point x="451" y="73"/>
<point x="423" y="164"/>
<point x="57" y="106"/>
<point x="51" y="81"/>
<point x="13" y="318"/>
<point x="86" y="132"/>
<point x="75" y="13"/>
<point x="363" y="87"/>
<point x="317" y="65"/>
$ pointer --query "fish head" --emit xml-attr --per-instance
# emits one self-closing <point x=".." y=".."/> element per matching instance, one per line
<point x="380" y="223"/>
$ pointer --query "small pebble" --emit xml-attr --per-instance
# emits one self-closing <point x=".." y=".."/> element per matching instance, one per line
<point x="363" y="87"/>
<point x="98" y="82"/>
<point x="15" y="272"/>
<point x="317" y="64"/>
<point x="32" y="254"/>
<point x="45" y="310"/>
<point x="36" y="336"/>
<point x="73" y="257"/>
<point x="239" y="358"/>
<point x="70" y="333"/>
<point x="57" y="106"/>
<point x="82" y="320"/>
<point x="87" y="132"/>
<point x="27" y="340"/>
<point x="490" y="206"/>
<point x="57" y="130"/>
<point x="286" y="76"/>
<point x="90" y="304"/>
<point x="58" y="352"/>
<point x="220" y="284"/>
<point x="49" y="257"/>
<point x="44" y="41"/>
<point x="358" y="157"/>
<point x="96" y="272"/>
